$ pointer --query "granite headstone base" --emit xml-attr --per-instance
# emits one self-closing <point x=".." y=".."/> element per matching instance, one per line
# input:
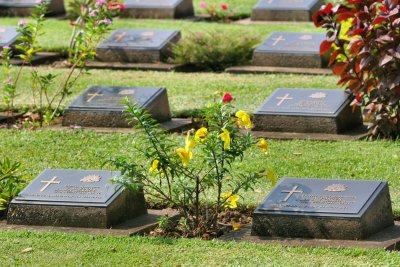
<point x="182" y="10"/>
<point x="56" y="7"/>
<point x="345" y="120"/>
<point x="126" y="206"/>
<point x="264" y="14"/>
<point x="291" y="60"/>
<point x="126" y="54"/>
<point x="377" y="217"/>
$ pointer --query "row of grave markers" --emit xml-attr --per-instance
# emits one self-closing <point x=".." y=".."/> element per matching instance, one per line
<point x="280" y="49"/>
<point x="268" y="10"/>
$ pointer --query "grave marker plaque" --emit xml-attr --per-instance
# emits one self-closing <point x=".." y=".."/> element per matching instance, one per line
<point x="137" y="46"/>
<point x="75" y="198"/>
<point x="100" y="106"/>
<point x="289" y="49"/>
<point x="8" y="36"/>
<point x="285" y="10"/>
<point x="329" y="209"/>
<point x="23" y="8"/>
<point x="307" y="111"/>
<point x="158" y="9"/>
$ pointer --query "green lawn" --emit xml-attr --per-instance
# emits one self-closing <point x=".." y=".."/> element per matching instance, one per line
<point x="41" y="149"/>
<point x="57" y="32"/>
<point x="56" y="249"/>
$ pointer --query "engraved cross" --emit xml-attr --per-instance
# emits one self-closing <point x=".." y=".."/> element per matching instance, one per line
<point x="48" y="183"/>
<point x="92" y="96"/>
<point x="277" y="40"/>
<point x="270" y="2"/>
<point x="119" y="37"/>
<point x="291" y="192"/>
<point x="283" y="99"/>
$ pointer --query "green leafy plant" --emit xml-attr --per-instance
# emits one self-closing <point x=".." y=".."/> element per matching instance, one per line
<point x="364" y="37"/>
<point x="89" y="29"/>
<point x="11" y="182"/>
<point x="217" y="12"/>
<point x="215" y="50"/>
<point x="198" y="178"/>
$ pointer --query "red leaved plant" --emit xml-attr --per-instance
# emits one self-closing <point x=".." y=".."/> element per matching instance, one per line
<point x="365" y="40"/>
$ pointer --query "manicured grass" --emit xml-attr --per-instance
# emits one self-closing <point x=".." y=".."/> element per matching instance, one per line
<point x="188" y="90"/>
<point x="57" y="32"/>
<point x="55" y="249"/>
<point x="359" y="160"/>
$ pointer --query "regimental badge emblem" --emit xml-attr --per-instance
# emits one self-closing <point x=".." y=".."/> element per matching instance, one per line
<point x="306" y="37"/>
<point x="127" y="92"/>
<point x="318" y="95"/>
<point x="92" y="178"/>
<point x="336" y="188"/>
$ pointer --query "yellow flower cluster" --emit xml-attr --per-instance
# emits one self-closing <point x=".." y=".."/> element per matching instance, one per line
<point x="186" y="153"/>
<point x="243" y="119"/>
<point x="230" y="200"/>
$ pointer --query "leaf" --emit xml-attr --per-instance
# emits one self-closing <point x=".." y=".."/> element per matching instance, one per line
<point x="379" y="20"/>
<point x="339" y="68"/>
<point x="385" y="59"/>
<point x="271" y="175"/>
<point x="325" y="47"/>
<point x="333" y="57"/>
<point x="26" y="250"/>
<point x="344" y="16"/>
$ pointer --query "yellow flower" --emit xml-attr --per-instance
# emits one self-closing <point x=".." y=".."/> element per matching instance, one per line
<point x="201" y="134"/>
<point x="154" y="166"/>
<point x="230" y="199"/>
<point x="189" y="143"/>
<point x="185" y="155"/>
<point x="263" y="145"/>
<point x="243" y="119"/>
<point x="226" y="138"/>
<point x="236" y="226"/>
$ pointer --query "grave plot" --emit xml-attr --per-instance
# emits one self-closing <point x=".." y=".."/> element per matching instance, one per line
<point x="100" y="106"/>
<point x="8" y="36"/>
<point x="23" y="8"/>
<point x="137" y="46"/>
<point x="327" y="209"/>
<point x="284" y="49"/>
<point x="75" y="198"/>
<point x="285" y="10"/>
<point x="158" y="9"/>
<point x="307" y="111"/>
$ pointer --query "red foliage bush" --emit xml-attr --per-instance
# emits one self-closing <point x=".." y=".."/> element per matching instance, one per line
<point x="366" y="56"/>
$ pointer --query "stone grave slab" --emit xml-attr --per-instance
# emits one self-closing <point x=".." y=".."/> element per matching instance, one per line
<point x="158" y="9"/>
<point x="75" y="198"/>
<point x="8" y="36"/>
<point x="307" y="111"/>
<point x="285" y="10"/>
<point x="100" y="106"/>
<point x="23" y="8"/>
<point x="137" y="46"/>
<point x="329" y="209"/>
<point x="289" y="49"/>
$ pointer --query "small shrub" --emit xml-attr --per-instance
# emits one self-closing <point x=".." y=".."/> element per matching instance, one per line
<point x="11" y="182"/>
<point x="217" y="12"/>
<point x="365" y="37"/>
<point x="198" y="178"/>
<point x="215" y="50"/>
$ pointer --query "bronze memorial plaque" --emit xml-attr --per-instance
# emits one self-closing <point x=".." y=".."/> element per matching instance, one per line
<point x="158" y="9"/>
<point x="291" y="49"/>
<point x="307" y="111"/>
<point x="285" y="10"/>
<point x="324" y="208"/>
<point x="76" y="198"/>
